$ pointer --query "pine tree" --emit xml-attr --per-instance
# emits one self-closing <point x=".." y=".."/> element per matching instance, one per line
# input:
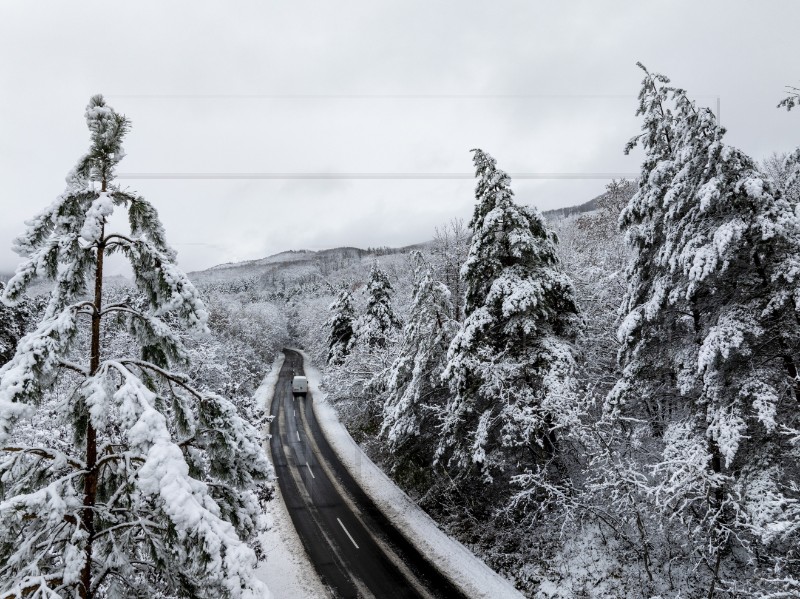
<point x="14" y="320"/>
<point x="375" y="326"/>
<point x="127" y="481"/>
<point x="340" y="326"/>
<point x="792" y="100"/>
<point x="414" y="380"/>
<point x="711" y="334"/>
<point x="784" y="170"/>
<point x="510" y="365"/>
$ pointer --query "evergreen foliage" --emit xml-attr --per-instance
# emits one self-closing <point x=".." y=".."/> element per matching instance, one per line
<point x="711" y="335"/>
<point x="376" y="325"/>
<point x="14" y="321"/>
<point x="510" y="365"/>
<point x="792" y="100"/>
<point x="119" y="479"/>
<point x="414" y="389"/>
<point x="340" y="327"/>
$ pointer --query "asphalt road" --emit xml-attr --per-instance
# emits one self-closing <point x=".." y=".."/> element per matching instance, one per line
<point x="357" y="552"/>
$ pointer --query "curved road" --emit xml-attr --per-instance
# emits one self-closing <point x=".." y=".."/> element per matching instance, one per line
<point x="355" y="549"/>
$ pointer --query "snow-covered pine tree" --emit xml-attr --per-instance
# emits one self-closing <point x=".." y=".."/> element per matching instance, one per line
<point x="128" y="482"/>
<point x="340" y="327"/>
<point x="414" y="385"/>
<point x="784" y="170"/>
<point x="711" y="336"/>
<point x="643" y="221"/>
<point x="789" y="171"/>
<point x="375" y="326"/>
<point x="510" y="366"/>
<point x="792" y="100"/>
<point x="14" y="320"/>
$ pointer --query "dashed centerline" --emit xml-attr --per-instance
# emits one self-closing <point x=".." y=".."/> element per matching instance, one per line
<point x="349" y="536"/>
<point x="311" y="471"/>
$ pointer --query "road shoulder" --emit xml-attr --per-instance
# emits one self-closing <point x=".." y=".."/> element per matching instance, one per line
<point x="450" y="557"/>
<point x="287" y="571"/>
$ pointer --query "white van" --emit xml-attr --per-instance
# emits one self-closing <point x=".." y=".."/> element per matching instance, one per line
<point x="299" y="385"/>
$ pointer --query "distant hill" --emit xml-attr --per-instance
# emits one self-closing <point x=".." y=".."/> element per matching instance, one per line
<point x="293" y="266"/>
<point x="287" y="256"/>
<point x="570" y="210"/>
<point x="298" y="266"/>
<point x="305" y="266"/>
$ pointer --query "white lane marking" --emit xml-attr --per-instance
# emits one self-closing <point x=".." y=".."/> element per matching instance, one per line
<point x="310" y="470"/>
<point x="298" y="435"/>
<point x="349" y="536"/>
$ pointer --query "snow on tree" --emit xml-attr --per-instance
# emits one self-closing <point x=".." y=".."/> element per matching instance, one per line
<point x="784" y="170"/>
<point x="711" y="334"/>
<point x="340" y="326"/>
<point x="449" y="249"/>
<point x="14" y="320"/>
<point x="792" y="100"/>
<point x="375" y="326"/>
<point x="414" y="380"/>
<point x="128" y="481"/>
<point x="602" y="224"/>
<point x="510" y="365"/>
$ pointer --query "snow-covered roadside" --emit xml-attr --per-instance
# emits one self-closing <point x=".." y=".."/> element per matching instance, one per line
<point x="454" y="560"/>
<point x="287" y="572"/>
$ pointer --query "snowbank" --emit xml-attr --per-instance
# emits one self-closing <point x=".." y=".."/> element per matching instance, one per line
<point x="287" y="572"/>
<point x="266" y="390"/>
<point x="455" y="561"/>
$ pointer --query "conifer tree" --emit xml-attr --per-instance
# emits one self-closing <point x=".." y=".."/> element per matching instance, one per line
<point x="711" y="335"/>
<point x="340" y="326"/>
<point x="792" y="100"/>
<point x="13" y="322"/>
<point x="789" y="181"/>
<point x="510" y="365"/>
<point x="414" y="381"/>
<point x="128" y="482"/>
<point x="374" y="327"/>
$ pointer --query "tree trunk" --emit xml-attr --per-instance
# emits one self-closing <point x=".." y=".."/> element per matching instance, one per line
<point x="716" y="501"/>
<point x="90" y="480"/>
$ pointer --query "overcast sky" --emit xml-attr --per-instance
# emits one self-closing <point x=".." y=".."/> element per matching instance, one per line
<point x="365" y="87"/>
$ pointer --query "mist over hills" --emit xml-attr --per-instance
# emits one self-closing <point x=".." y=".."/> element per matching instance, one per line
<point x="295" y="267"/>
<point x="308" y="264"/>
<point x="301" y="261"/>
<point x="570" y="210"/>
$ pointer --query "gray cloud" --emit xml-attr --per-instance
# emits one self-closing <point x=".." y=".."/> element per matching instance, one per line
<point x="577" y="57"/>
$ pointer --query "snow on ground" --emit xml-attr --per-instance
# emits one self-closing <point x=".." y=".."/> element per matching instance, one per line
<point x="287" y="572"/>
<point x="454" y="560"/>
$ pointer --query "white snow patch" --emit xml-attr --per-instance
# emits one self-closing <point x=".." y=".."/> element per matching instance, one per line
<point x="450" y="557"/>
<point x="266" y="390"/>
<point x="287" y="570"/>
<point x="96" y="215"/>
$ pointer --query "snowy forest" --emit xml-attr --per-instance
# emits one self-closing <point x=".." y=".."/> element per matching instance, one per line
<point x="603" y="404"/>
